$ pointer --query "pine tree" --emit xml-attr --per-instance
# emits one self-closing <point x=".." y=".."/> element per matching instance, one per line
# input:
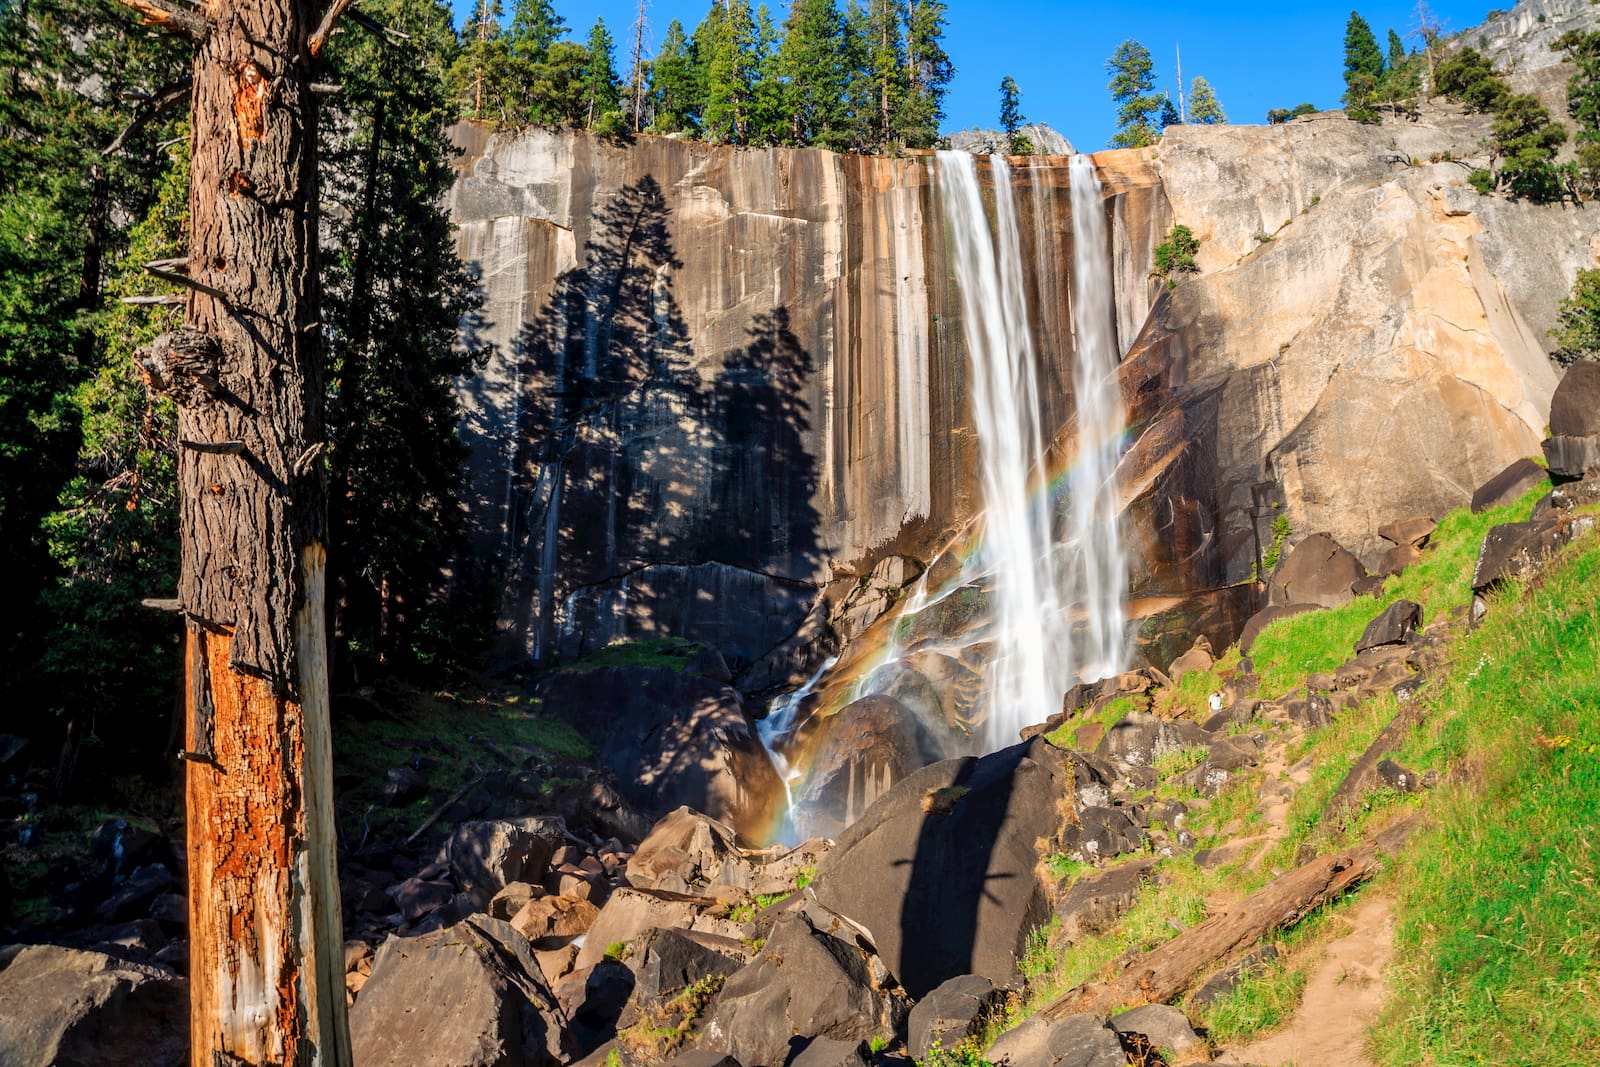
<point x="930" y="71"/>
<point x="1583" y="102"/>
<point x="730" y="70"/>
<point x="767" y="103"/>
<point x="535" y="26"/>
<point x="1363" y="69"/>
<point x="1133" y="89"/>
<point x="601" y="96"/>
<point x="886" y="71"/>
<point x="1204" y="107"/>
<point x="1169" y="113"/>
<point x="395" y="294"/>
<point x="75" y="161"/>
<point x="674" y="90"/>
<point x="481" y="73"/>
<point x="812" y="64"/>
<point x="1012" y="120"/>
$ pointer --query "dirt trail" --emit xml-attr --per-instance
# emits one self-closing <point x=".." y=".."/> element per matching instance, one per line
<point x="1342" y="998"/>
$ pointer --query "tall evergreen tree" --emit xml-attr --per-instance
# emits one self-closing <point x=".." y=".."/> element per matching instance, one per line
<point x="812" y="64"/>
<point x="1363" y="69"/>
<point x="535" y="26"/>
<point x="930" y="71"/>
<point x="602" y="97"/>
<point x="1583" y="102"/>
<point x="75" y="162"/>
<point x="730" y="69"/>
<point x="886" y="70"/>
<point x="1204" y="107"/>
<point x="482" y="75"/>
<point x="674" y="89"/>
<point x="394" y="296"/>
<point x="1132" y="86"/>
<point x="1012" y="120"/>
<point x="767" y="98"/>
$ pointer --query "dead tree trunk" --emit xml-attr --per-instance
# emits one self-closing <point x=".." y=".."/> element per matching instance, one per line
<point x="1165" y="972"/>
<point x="266" y="961"/>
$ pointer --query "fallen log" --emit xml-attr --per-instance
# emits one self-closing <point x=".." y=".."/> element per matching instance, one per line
<point x="1162" y="974"/>
<point x="1363" y="775"/>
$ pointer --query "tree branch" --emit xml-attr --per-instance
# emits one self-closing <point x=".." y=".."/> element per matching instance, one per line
<point x="376" y="28"/>
<point x="324" y="30"/>
<point x="154" y="105"/>
<point x="190" y="24"/>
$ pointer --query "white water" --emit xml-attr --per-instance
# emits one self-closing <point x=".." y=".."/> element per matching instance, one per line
<point x="1096" y="563"/>
<point x="1028" y="626"/>
<point x="1057" y="580"/>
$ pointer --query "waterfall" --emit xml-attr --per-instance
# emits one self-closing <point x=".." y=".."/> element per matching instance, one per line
<point x="1027" y="624"/>
<point x="1096" y="563"/>
<point x="1050" y="569"/>
<point x="1056" y="582"/>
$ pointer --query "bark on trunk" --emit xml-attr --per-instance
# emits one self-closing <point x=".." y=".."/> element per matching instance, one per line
<point x="265" y="947"/>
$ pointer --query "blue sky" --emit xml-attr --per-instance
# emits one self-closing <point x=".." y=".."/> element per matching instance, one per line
<point x="1256" y="55"/>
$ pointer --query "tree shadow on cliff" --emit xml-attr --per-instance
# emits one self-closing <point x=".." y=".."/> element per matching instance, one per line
<point x="625" y="458"/>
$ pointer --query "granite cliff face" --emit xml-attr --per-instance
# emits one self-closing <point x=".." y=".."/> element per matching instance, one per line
<point x="729" y="382"/>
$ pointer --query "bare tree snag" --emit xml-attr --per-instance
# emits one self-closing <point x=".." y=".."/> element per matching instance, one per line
<point x="266" y="954"/>
<point x="1163" y="973"/>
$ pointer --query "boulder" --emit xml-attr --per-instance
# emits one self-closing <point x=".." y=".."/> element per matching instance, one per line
<point x="121" y="846"/>
<point x="1572" y="458"/>
<point x="1197" y="658"/>
<point x="1394" y="562"/>
<point x="1517" y="549"/>
<point x="1413" y="532"/>
<point x="1392" y="626"/>
<point x="1398" y="778"/>
<point x="672" y="739"/>
<point x="1266" y="617"/>
<point x="1098" y="899"/>
<point x="944" y="868"/>
<point x="417" y="897"/>
<point x="1575" y="494"/>
<point x="1509" y="485"/>
<point x="491" y="854"/>
<point x="827" y="1052"/>
<point x="1140" y="738"/>
<point x="401" y="786"/>
<point x="1223" y="982"/>
<point x="1163" y="1027"/>
<point x="864" y="750"/>
<point x="1074" y="1041"/>
<point x="1316" y="571"/>
<point x="551" y="922"/>
<point x="66" y="1006"/>
<point x="630" y="912"/>
<point x="686" y="852"/>
<point x="816" y="977"/>
<point x="509" y="901"/>
<point x="132" y="899"/>
<point x="1575" y="405"/>
<point x="468" y="996"/>
<point x="666" y="962"/>
<point x="1101" y="834"/>
<point x="951" y="1013"/>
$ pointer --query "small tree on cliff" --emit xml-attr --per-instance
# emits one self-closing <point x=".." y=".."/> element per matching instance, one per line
<point x="245" y="374"/>
<point x="1577" y="332"/>
<point x="1132" y="86"/>
<point x="1204" y="107"/>
<point x="1011" y="120"/>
